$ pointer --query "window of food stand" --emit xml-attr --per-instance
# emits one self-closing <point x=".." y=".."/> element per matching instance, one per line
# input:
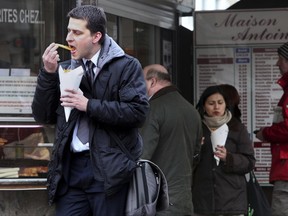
<point x="25" y="147"/>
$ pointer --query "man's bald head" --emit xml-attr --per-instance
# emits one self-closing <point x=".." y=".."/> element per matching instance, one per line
<point x="156" y="67"/>
<point x="156" y="77"/>
<point x="156" y="71"/>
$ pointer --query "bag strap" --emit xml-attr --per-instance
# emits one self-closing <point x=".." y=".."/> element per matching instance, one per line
<point x="120" y="144"/>
<point x="252" y="176"/>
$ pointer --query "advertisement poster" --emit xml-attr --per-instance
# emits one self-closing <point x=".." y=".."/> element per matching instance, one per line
<point x="240" y="48"/>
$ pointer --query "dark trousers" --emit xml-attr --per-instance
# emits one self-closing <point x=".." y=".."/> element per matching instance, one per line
<point x="85" y="196"/>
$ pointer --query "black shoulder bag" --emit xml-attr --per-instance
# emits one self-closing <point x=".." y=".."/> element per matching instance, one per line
<point x="258" y="204"/>
<point x="148" y="188"/>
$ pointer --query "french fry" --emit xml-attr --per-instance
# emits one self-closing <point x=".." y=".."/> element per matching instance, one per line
<point x="64" y="47"/>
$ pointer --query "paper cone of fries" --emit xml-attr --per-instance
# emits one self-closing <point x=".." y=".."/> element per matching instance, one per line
<point x="70" y="79"/>
<point x="218" y="137"/>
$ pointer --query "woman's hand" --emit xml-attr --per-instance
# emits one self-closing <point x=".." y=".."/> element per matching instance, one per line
<point x="221" y="152"/>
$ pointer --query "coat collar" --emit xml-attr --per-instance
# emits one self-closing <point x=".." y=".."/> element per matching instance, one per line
<point x="164" y="91"/>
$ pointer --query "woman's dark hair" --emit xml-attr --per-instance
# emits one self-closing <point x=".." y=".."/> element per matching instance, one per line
<point x="95" y="17"/>
<point x="233" y="100"/>
<point x="207" y="93"/>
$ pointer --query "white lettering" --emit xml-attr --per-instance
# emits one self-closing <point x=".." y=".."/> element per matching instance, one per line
<point x="29" y="16"/>
<point x="8" y="15"/>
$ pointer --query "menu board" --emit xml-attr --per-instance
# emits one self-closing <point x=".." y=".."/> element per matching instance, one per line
<point x="240" y="48"/>
<point x="16" y="94"/>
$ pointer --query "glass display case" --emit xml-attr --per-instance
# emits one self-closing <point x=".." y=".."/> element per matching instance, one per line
<point x="25" y="152"/>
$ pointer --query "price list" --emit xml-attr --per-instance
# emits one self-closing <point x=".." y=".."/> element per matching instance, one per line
<point x="242" y="81"/>
<point x="213" y="68"/>
<point x="227" y="66"/>
<point x="263" y="162"/>
<point x="266" y="92"/>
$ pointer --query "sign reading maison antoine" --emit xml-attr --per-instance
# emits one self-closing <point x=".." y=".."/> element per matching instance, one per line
<point x="242" y="27"/>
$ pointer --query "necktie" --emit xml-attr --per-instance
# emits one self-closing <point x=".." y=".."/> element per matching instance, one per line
<point x="83" y="127"/>
<point x="90" y="73"/>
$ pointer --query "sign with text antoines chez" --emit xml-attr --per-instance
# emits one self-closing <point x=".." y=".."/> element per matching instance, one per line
<point x="240" y="48"/>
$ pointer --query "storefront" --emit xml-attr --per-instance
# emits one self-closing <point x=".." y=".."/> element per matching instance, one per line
<point x="144" y="29"/>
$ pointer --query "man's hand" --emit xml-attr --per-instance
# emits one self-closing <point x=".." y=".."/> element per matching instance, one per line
<point x="50" y="58"/>
<point x="74" y="99"/>
<point x="259" y="135"/>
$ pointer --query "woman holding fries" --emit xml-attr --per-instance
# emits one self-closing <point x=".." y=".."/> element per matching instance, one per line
<point x="90" y="177"/>
<point x="227" y="154"/>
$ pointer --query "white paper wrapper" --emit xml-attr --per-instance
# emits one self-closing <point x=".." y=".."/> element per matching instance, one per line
<point x="70" y="80"/>
<point x="218" y="137"/>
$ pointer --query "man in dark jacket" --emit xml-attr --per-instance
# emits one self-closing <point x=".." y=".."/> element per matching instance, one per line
<point x="171" y="135"/>
<point x="90" y="177"/>
<point x="277" y="135"/>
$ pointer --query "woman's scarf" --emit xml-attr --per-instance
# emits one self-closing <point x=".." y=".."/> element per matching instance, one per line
<point x="217" y="121"/>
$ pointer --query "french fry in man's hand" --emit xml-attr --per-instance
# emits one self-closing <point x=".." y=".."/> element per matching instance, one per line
<point x="64" y="47"/>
